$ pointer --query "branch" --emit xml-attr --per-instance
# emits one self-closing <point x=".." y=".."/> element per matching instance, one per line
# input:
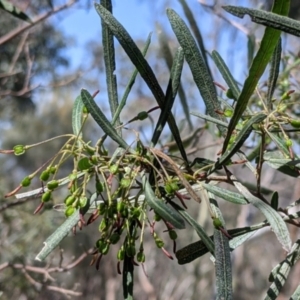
<point x="12" y="34"/>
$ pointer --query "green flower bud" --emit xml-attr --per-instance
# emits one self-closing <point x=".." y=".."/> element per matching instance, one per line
<point x="229" y="94"/>
<point x="130" y="250"/>
<point x="157" y="217"/>
<point x="171" y="187"/>
<point x="85" y="110"/>
<point x="82" y="201"/>
<point x="19" y="149"/>
<point x="217" y="223"/>
<point x="105" y="249"/>
<point x="295" y="123"/>
<point x="121" y="206"/>
<point x="135" y="212"/>
<point x="99" y="187"/>
<point x="53" y="170"/>
<point x="69" y="211"/>
<point x="45" y="175"/>
<point x="172" y="235"/>
<point x="102" y="208"/>
<point x="141" y="257"/>
<point x="159" y="242"/>
<point x="142" y="115"/>
<point x="53" y="184"/>
<point x="125" y="182"/>
<point x="289" y="143"/>
<point x="84" y="164"/>
<point x="46" y="196"/>
<point x="114" y="238"/>
<point x="121" y="254"/>
<point x="69" y="200"/>
<point x="103" y="225"/>
<point x="114" y="169"/>
<point x="228" y="112"/>
<point x="26" y="181"/>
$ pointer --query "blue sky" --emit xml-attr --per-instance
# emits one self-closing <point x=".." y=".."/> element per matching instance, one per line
<point x="135" y="16"/>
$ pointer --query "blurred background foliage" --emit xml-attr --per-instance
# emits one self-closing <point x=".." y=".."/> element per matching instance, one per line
<point x="31" y="112"/>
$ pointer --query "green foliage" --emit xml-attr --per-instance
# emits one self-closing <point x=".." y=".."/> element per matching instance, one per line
<point x="120" y="188"/>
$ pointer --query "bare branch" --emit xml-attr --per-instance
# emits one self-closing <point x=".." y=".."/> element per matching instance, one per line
<point x="12" y="34"/>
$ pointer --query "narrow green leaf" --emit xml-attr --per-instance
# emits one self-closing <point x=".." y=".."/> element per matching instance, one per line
<point x="273" y="75"/>
<point x="166" y="212"/>
<point x="280" y="273"/>
<point x="209" y="119"/>
<point x="13" y="10"/>
<point x="101" y="119"/>
<point x="198" y="249"/>
<point x="130" y="84"/>
<point x="170" y="95"/>
<point x="197" y="65"/>
<point x="194" y="27"/>
<point x="223" y="266"/>
<point x="296" y="294"/>
<point x="276" y="222"/>
<point x="278" y="161"/>
<point x="269" y="19"/>
<point x="239" y="235"/>
<point x="240" y="139"/>
<point x="62" y="231"/>
<point x="110" y="64"/>
<point x="280" y="143"/>
<point x="225" y="194"/>
<point x="274" y="200"/>
<point x="207" y="241"/>
<point x="142" y="65"/>
<point x="226" y="74"/>
<point x="58" y="235"/>
<point x="263" y="56"/>
<point x="167" y="55"/>
<point x="77" y="116"/>
<point x="128" y="278"/>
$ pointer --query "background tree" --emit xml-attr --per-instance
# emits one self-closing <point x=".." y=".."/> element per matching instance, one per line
<point x="54" y="118"/>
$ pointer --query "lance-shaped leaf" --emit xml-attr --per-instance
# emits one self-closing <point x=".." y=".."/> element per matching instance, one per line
<point x="170" y="95"/>
<point x="226" y="74"/>
<point x="262" y="58"/>
<point x="239" y="235"/>
<point x="195" y="29"/>
<point x="222" y="266"/>
<point x="240" y="139"/>
<point x="62" y="231"/>
<point x="205" y="239"/>
<point x="280" y="143"/>
<point x="276" y="222"/>
<point x="269" y="19"/>
<point x="198" y="249"/>
<point x="296" y="294"/>
<point x="128" y="278"/>
<point x="101" y="119"/>
<point x="167" y="55"/>
<point x="209" y="119"/>
<point x="278" y="161"/>
<point x="166" y="212"/>
<point x="225" y="194"/>
<point x="280" y="273"/>
<point x="13" y="10"/>
<point x="130" y="84"/>
<point x="110" y="63"/>
<point x="273" y="75"/>
<point x="143" y="67"/>
<point x="201" y="76"/>
<point x="77" y="115"/>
